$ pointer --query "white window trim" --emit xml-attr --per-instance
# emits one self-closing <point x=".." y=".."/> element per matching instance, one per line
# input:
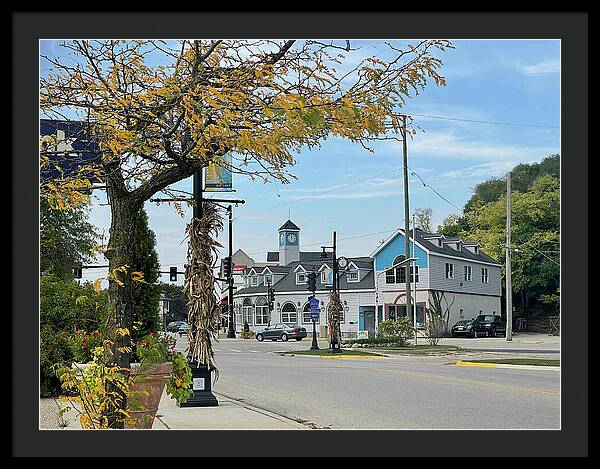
<point x="468" y="273"/>
<point x="254" y="280"/>
<point x="449" y="271"/>
<point x="324" y="275"/>
<point x="353" y="280"/>
<point x="485" y="275"/>
<point x="298" y="281"/>
<point x="270" y="277"/>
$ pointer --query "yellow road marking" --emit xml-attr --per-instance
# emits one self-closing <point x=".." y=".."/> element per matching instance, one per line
<point x="485" y="365"/>
<point x="458" y="380"/>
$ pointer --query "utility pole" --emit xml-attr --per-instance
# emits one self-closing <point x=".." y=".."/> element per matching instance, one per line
<point x="230" y="322"/>
<point x="414" y="269"/>
<point x="406" y="215"/>
<point x="508" y="266"/>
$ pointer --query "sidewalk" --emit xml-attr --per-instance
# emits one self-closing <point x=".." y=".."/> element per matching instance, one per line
<point x="228" y="415"/>
<point x="520" y="340"/>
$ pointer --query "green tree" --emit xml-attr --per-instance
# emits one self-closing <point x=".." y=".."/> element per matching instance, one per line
<point x="146" y="294"/>
<point x="66" y="239"/>
<point x="535" y="227"/>
<point x="178" y="309"/>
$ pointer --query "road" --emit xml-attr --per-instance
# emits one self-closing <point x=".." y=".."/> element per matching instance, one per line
<point x="384" y="393"/>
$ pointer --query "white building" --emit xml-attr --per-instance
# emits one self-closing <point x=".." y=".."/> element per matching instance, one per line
<point x="467" y="280"/>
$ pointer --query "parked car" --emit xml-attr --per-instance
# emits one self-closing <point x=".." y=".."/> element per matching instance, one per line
<point x="174" y="326"/>
<point x="464" y="327"/>
<point x="183" y="329"/>
<point x="488" y="325"/>
<point x="281" y="331"/>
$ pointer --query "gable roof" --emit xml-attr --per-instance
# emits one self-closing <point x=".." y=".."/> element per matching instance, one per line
<point x="432" y="247"/>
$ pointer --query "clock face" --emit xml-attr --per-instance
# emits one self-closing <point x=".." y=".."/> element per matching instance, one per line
<point x="291" y="238"/>
<point x="342" y="262"/>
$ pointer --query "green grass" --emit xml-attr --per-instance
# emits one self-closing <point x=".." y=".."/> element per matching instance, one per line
<point x="423" y="350"/>
<point x="325" y="352"/>
<point x="519" y="361"/>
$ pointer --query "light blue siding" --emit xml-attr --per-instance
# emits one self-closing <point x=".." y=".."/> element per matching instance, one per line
<point x="385" y="258"/>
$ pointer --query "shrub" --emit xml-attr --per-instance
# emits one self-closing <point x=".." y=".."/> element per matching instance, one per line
<point x="246" y="333"/>
<point x="54" y="352"/>
<point x="399" y="330"/>
<point x="436" y="328"/>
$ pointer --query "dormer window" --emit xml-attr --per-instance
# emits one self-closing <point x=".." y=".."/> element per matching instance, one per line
<point x="254" y="280"/>
<point x="440" y="242"/>
<point x="476" y="249"/>
<point x="300" y="278"/>
<point x="352" y="276"/>
<point x="268" y="279"/>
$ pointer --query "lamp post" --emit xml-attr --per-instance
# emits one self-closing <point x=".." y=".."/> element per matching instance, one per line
<point x="334" y="344"/>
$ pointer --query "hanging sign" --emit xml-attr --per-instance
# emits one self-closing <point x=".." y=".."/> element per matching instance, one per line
<point x="69" y="148"/>
<point x="218" y="175"/>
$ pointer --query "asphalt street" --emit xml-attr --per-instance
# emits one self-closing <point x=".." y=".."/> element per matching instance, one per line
<point x="384" y="393"/>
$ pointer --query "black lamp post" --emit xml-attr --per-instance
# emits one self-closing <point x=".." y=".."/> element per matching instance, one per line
<point x="334" y="344"/>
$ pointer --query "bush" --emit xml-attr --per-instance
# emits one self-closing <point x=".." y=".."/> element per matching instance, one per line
<point x="399" y="330"/>
<point x="246" y="333"/>
<point x="54" y="352"/>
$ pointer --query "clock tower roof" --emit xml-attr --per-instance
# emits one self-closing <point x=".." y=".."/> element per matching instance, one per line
<point x="289" y="225"/>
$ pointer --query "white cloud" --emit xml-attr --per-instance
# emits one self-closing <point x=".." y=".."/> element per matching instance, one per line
<point x="542" y="68"/>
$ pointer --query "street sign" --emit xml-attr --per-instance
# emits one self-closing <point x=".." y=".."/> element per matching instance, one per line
<point x="313" y="305"/>
<point x="69" y="147"/>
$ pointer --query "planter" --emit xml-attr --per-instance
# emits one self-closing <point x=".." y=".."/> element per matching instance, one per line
<point x="147" y="392"/>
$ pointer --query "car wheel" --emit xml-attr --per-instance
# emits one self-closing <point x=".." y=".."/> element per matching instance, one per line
<point x="259" y="337"/>
<point x="284" y="337"/>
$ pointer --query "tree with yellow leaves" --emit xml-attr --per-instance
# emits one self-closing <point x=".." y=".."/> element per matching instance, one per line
<point x="162" y="110"/>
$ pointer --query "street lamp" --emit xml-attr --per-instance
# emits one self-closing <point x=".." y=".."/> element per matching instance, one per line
<point x="334" y="344"/>
<point x="402" y="262"/>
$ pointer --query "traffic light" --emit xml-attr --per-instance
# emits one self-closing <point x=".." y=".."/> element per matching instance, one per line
<point x="173" y="274"/>
<point x="271" y="295"/>
<point x="227" y="266"/>
<point x="312" y="282"/>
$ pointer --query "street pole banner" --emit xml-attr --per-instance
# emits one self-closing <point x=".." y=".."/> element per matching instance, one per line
<point x="70" y="150"/>
<point x="313" y="305"/>
<point x="218" y="175"/>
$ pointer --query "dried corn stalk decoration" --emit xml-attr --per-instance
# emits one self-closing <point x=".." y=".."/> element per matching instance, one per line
<point x="334" y="307"/>
<point x="203" y="310"/>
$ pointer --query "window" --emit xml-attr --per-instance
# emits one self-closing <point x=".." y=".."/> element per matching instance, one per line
<point x="484" y="275"/>
<point x="449" y="270"/>
<point x="289" y="314"/>
<point x="476" y="249"/>
<point x="389" y="276"/>
<point x="400" y="274"/>
<point x="325" y="276"/>
<point x="306" y="314"/>
<point x="262" y="312"/>
<point x="352" y="276"/>
<point x="440" y="242"/>
<point x="468" y="273"/>
<point x="268" y="280"/>
<point x="254" y="280"/>
<point x="247" y="312"/>
<point x="300" y="278"/>
<point x="414" y="277"/>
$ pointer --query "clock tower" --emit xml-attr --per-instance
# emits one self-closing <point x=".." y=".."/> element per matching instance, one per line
<point x="289" y="243"/>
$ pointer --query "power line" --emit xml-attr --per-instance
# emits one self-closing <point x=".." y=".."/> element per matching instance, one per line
<point x="475" y="121"/>
<point x="440" y="195"/>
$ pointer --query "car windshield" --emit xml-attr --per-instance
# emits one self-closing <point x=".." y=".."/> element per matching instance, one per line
<point x="462" y="323"/>
<point x="289" y="325"/>
<point x="487" y="318"/>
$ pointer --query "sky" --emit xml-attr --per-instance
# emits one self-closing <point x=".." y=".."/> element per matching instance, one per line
<point x="359" y="194"/>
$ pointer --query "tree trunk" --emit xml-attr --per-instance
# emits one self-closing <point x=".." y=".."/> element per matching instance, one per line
<point x="120" y="255"/>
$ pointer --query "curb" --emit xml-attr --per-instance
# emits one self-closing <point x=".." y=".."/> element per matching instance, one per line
<point x="505" y="365"/>
<point x="342" y="356"/>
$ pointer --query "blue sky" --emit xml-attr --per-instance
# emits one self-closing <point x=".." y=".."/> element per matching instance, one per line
<point x="343" y="187"/>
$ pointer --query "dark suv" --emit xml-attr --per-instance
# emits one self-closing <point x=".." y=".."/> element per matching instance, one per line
<point x="488" y="325"/>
